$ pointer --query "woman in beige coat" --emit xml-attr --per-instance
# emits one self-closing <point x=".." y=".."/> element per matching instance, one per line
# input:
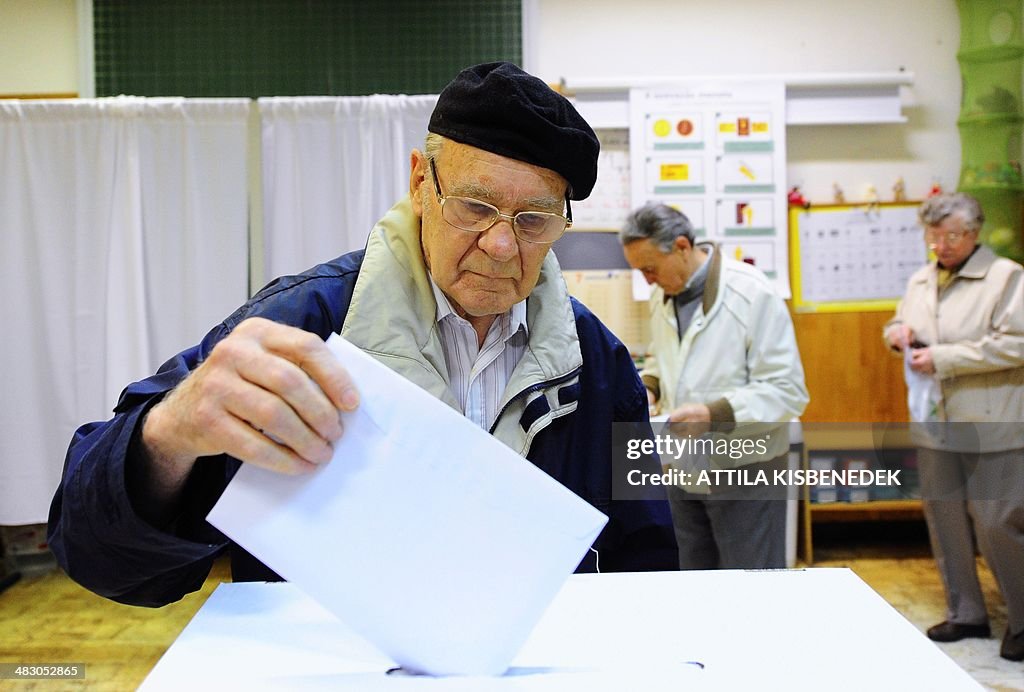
<point x="961" y="321"/>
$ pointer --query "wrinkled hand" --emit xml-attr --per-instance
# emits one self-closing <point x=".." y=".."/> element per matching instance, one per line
<point x="899" y="337"/>
<point x="268" y="394"/>
<point x="921" y="361"/>
<point x="696" y="416"/>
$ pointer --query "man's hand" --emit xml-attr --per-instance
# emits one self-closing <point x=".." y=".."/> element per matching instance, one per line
<point x="921" y="361"/>
<point x="697" y="417"/>
<point x="268" y="394"/>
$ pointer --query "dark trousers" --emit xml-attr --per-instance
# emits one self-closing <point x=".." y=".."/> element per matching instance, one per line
<point x="740" y="527"/>
<point x="976" y="499"/>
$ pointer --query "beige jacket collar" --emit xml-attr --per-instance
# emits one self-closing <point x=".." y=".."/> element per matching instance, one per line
<point x="978" y="264"/>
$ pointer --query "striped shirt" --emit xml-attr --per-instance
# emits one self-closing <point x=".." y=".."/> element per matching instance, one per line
<point x="478" y="376"/>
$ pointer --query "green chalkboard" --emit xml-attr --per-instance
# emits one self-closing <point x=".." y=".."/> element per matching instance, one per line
<point x="294" y="47"/>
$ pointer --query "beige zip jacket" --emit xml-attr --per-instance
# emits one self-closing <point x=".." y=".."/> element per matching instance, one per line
<point x="738" y="356"/>
<point x="975" y="328"/>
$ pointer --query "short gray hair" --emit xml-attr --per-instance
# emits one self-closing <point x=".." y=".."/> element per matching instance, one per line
<point x="432" y="145"/>
<point x="659" y="223"/>
<point x="431" y="149"/>
<point x="935" y="209"/>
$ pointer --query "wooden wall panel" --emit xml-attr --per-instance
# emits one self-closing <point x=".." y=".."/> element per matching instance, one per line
<point x="851" y="375"/>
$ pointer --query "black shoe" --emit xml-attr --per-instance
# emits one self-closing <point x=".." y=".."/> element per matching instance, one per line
<point x="953" y="632"/>
<point x="1013" y="646"/>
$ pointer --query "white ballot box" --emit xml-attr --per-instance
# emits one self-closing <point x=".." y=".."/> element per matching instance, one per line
<point x="704" y="630"/>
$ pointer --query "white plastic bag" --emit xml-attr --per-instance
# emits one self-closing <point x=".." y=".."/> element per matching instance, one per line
<point x="923" y="393"/>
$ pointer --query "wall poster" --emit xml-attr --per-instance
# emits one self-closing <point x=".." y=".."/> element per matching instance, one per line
<point x="717" y="152"/>
<point x="854" y="258"/>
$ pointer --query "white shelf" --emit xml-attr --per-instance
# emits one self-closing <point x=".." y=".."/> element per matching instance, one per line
<point x="856" y="98"/>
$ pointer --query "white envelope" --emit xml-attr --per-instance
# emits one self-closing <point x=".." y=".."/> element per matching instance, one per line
<point x="426" y="535"/>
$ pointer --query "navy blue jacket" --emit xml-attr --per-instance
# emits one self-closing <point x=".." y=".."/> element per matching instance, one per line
<point x="102" y="543"/>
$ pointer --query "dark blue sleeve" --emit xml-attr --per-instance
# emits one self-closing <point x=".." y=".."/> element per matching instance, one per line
<point x="639" y="536"/>
<point x="94" y="530"/>
<point x="580" y="451"/>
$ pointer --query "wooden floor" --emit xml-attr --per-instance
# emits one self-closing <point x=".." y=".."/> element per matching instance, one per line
<point x="49" y="619"/>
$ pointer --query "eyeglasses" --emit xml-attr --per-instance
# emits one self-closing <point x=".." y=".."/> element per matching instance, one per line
<point x="468" y="214"/>
<point x="933" y="236"/>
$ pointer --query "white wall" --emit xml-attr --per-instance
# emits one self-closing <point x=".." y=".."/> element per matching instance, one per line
<point x="38" y="47"/>
<point x="585" y="39"/>
<point x="593" y="39"/>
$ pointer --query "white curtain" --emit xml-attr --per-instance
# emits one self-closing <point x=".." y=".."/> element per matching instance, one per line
<point x="124" y="238"/>
<point x="331" y="168"/>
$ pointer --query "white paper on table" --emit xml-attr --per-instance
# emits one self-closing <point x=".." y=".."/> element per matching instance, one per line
<point x="424" y="534"/>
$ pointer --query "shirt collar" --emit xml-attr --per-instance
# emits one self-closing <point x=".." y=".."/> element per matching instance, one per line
<point x="514" y="318"/>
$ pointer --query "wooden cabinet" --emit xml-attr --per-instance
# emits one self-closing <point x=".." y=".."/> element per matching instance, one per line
<point x="852" y="376"/>
<point x="850" y="446"/>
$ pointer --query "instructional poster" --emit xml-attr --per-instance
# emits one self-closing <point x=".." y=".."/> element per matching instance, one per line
<point x="717" y="152"/>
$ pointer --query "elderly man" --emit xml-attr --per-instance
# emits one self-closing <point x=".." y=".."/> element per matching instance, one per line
<point x="455" y="290"/>
<point x="961" y="321"/>
<point x="723" y="353"/>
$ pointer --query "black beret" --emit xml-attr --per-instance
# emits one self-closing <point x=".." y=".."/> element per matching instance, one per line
<point x="501" y="109"/>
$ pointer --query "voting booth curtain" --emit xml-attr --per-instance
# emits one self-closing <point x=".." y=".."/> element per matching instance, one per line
<point x="126" y="235"/>
<point x="331" y="168"/>
<point x="124" y="225"/>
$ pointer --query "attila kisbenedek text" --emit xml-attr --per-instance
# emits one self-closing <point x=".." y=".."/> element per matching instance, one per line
<point x="671" y="448"/>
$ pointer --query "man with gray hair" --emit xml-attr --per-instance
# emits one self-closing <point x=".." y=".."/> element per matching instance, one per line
<point x="723" y="354"/>
<point x="456" y="291"/>
<point x="961" y="322"/>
